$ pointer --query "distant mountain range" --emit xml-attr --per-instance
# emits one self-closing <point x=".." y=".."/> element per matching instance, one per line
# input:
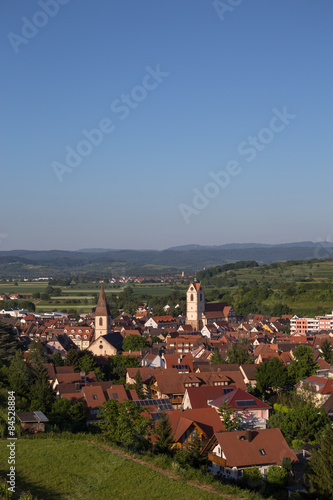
<point x="189" y="258"/>
<point x="227" y="246"/>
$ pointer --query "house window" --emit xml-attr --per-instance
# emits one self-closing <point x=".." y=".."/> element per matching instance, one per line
<point x="262" y="451"/>
<point x="114" y="395"/>
<point x="100" y="321"/>
<point x="191" y="298"/>
<point x="94" y="397"/>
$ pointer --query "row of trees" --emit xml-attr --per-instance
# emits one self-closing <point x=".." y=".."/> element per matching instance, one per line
<point x="29" y="379"/>
<point x="129" y="426"/>
<point x="273" y="374"/>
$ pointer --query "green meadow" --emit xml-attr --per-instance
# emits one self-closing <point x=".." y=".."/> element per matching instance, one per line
<point x="58" y="469"/>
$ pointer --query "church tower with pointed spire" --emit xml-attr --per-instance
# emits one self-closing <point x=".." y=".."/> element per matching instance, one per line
<point x="102" y="316"/>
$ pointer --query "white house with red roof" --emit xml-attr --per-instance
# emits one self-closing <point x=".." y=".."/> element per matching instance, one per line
<point x="230" y="453"/>
<point x="253" y="412"/>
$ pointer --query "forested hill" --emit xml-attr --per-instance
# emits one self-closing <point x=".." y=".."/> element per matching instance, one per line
<point x="149" y="262"/>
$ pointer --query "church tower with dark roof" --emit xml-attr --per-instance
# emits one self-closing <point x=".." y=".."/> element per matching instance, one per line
<point x="102" y="316"/>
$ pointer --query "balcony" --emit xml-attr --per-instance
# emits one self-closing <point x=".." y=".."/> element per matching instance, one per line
<point x="217" y="460"/>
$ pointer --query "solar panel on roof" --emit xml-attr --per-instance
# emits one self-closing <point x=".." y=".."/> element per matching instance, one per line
<point x="163" y="403"/>
<point x="245" y="402"/>
<point x="40" y="415"/>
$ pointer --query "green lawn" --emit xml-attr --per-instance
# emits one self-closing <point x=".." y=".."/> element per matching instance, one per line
<point x="65" y="470"/>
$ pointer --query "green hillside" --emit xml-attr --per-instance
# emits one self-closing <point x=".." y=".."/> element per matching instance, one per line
<point x="293" y="287"/>
<point x="59" y="469"/>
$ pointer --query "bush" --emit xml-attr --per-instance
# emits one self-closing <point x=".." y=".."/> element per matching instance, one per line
<point x="252" y="478"/>
<point x="277" y="476"/>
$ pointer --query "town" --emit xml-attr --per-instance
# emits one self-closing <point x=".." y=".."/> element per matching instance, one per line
<point x="249" y="398"/>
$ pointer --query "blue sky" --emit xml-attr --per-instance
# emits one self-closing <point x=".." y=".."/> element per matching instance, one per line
<point x="180" y="89"/>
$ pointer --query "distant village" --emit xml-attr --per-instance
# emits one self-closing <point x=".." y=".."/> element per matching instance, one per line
<point x="189" y="367"/>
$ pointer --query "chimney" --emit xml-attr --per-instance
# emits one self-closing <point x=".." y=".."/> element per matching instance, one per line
<point x="249" y="435"/>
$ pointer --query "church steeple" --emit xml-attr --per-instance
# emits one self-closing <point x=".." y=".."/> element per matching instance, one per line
<point x="102" y="308"/>
<point x="102" y="316"/>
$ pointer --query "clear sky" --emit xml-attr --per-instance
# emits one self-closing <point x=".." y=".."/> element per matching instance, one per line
<point x="115" y="115"/>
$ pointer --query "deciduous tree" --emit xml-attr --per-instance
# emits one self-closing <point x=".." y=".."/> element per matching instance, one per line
<point x="303" y="365"/>
<point x="271" y="374"/>
<point x="124" y="424"/>
<point x="229" y="416"/>
<point x="238" y="354"/>
<point x="134" y="343"/>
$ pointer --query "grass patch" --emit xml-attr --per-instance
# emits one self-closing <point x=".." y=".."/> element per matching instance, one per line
<point x="73" y="469"/>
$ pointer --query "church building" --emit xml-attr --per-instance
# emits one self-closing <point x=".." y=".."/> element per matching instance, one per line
<point x="199" y="314"/>
<point x="106" y="342"/>
<point x="102" y="316"/>
<point x="195" y="306"/>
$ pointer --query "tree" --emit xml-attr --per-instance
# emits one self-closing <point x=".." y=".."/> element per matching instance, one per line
<point x="321" y="466"/>
<point x="41" y="394"/>
<point x="138" y="386"/>
<point x="73" y="359"/>
<point x="229" y="417"/>
<point x="327" y="350"/>
<point x="118" y="365"/>
<point x="277" y="476"/>
<point x="68" y="415"/>
<point x="155" y="339"/>
<point x="134" y="343"/>
<point x="299" y="419"/>
<point x="216" y="358"/>
<point x="303" y="364"/>
<point x="196" y="458"/>
<point x="272" y="374"/>
<point x="9" y="343"/>
<point x="238" y="354"/>
<point x="88" y="364"/>
<point x="20" y="376"/>
<point x="56" y="359"/>
<point x="287" y="328"/>
<point x="164" y="436"/>
<point x="124" y="424"/>
<point x="36" y="354"/>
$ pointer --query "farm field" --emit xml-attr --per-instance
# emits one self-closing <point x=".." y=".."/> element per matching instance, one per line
<point x="79" y="470"/>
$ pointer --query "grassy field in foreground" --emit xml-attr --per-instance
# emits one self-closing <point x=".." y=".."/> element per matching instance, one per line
<point x="74" y="470"/>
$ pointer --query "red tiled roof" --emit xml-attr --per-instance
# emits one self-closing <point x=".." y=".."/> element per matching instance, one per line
<point x="94" y="396"/>
<point x="240" y="452"/>
<point x="239" y="395"/>
<point x="207" y="419"/>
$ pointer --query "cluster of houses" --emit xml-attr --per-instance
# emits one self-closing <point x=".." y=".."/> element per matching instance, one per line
<point x="178" y="376"/>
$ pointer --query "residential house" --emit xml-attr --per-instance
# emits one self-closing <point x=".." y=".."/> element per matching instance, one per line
<point x="252" y="412"/>
<point x="191" y="424"/>
<point x="230" y="453"/>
